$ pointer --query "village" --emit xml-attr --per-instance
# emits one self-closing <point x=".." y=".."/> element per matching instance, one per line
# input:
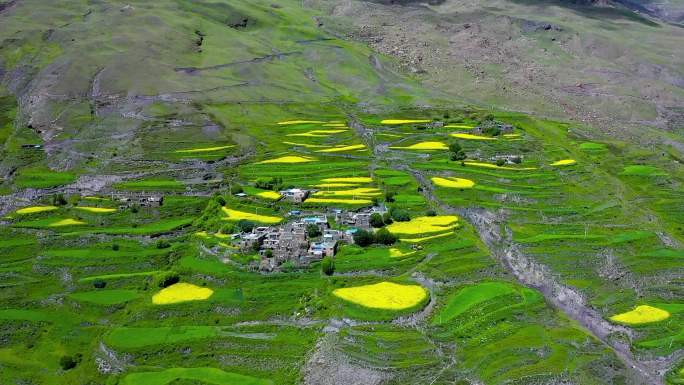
<point x="306" y="239"/>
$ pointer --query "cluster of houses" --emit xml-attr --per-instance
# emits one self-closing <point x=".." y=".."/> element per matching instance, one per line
<point x="291" y="241"/>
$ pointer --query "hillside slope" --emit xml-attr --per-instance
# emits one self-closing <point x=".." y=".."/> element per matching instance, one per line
<point x="606" y="66"/>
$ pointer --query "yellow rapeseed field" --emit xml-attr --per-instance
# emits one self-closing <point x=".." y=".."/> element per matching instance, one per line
<point x="97" y="210"/>
<point x="462" y="126"/>
<point x="490" y="165"/>
<point x="288" y="159"/>
<point x="424" y="225"/>
<point x="453" y="182"/>
<point x="290" y="122"/>
<point x="349" y="179"/>
<point x="364" y="191"/>
<point x="66" y="222"/>
<point x="384" y="295"/>
<point x="344" y="148"/>
<point x="423" y="239"/>
<point x="318" y="133"/>
<point x="396" y="253"/>
<point x="342" y="201"/>
<point x="404" y="121"/>
<point x="181" y="292"/>
<point x="640" y="315"/>
<point x="36" y="209"/>
<point x="269" y="195"/>
<point x="335" y="125"/>
<point x="234" y="215"/>
<point x="205" y="149"/>
<point x="471" y="137"/>
<point x="564" y="162"/>
<point x="328" y="185"/>
<point x="424" y="146"/>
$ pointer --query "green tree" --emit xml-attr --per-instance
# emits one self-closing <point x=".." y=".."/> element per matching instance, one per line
<point x="312" y="231"/>
<point x="400" y="215"/>
<point x="363" y="238"/>
<point x="376" y="220"/>
<point x="384" y="237"/>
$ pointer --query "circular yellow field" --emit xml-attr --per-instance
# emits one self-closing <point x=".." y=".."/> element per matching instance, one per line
<point x="453" y="182"/>
<point x="640" y="315"/>
<point x="181" y="292"/>
<point x="383" y="295"/>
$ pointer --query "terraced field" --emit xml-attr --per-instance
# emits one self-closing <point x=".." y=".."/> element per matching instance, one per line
<point x="529" y="251"/>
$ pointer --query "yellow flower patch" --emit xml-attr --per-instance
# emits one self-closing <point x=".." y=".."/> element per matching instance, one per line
<point x="424" y="146"/>
<point x="344" y="148"/>
<point x="96" y="210"/>
<point x="423" y="239"/>
<point x="328" y="185"/>
<point x="291" y="122"/>
<point x="471" y="137"/>
<point x="335" y="125"/>
<point x="511" y="135"/>
<point x="36" y="209"/>
<point x="363" y="191"/>
<point x="396" y="253"/>
<point x="490" y="165"/>
<point x="235" y="215"/>
<point x="181" y="292"/>
<point x="383" y="295"/>
<point x="404" y="121"/>
<point x="640" y="315"/>
<point x="66" y="222"/>
<point x="288" y="159"/>
<point x="424" y="225"/>
<point x="205" y="149"/>
<point x="461" y="126"/>
<point x="318" y="133"/>
<point x="350" y="179"/>
<point x="341" y="201"/>
<point x="272" y="195"/>
<point x="564" y="162"/>
<point x="453" y="182"/>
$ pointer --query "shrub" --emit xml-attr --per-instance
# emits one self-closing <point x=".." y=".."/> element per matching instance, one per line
<point x="500" y="162"/>
<point x="376" y="220"/>
<point x="363" y="238"/>
<point x="456" y="156"/>
<point x="455" y="147"/>
<point x="384" y="237"/>
<point x="236" y="189"/>
<point x="162" y="244"/>
<point x="327" y="266"/>
<point x="99" y="283"/>
<point x="68" y="362"/>
<point x="115" y="246"/>
<point x="516" y="160"/>
<point x="387" y="218"/>
<point x="400" y="215"/>
<point x="58" y="200"/>
<point x="389" y="196"/>
<point x="431" y="213"/>
<point x="245" y="225"/>
<point x="167" y="279"/>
